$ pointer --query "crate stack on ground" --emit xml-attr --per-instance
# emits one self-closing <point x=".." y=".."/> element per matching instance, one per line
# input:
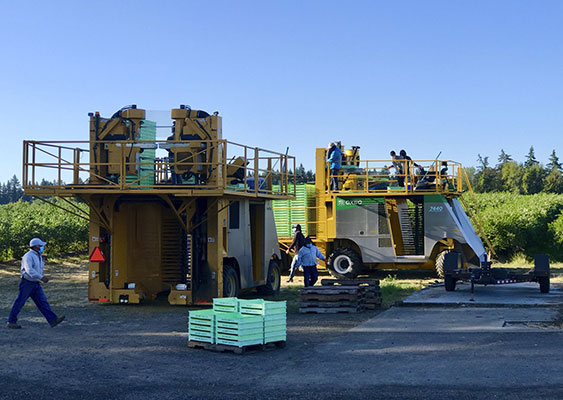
<point x="238" y="325"/>
<point x="341" y="296"/>
<point x="201" y="326"/>
<point x="274" y="314"/>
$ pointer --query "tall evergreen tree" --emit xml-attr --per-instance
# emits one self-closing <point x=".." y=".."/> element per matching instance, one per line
<point x="503" y="158"/>
<point x="483" y="162"/>
<point x="553" y="162"/>
<point x="531" y="158"/>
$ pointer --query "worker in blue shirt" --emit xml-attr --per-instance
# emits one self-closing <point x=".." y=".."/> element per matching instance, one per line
<point x="334" y="157"/>
<point x="307" y="258"/>
<point x="31" y="270"/>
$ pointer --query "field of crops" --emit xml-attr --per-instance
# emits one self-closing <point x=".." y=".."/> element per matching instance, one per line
<point x="521" y="225"/>
<point x="21" y="221"/>
<point x="515" y="224"/>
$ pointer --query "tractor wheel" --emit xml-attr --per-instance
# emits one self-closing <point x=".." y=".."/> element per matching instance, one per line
<point x="231" y="283"/>
<point x="449" y="283"/>
<point x="439" y="262"/>
<point x="285" y="263"/>
<point x="544" y="284"/>
<point x="344" y="263"/>
<point x="273" y="283"/>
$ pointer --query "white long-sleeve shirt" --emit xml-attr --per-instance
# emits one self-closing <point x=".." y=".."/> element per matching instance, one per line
<point x="32" y="266"/>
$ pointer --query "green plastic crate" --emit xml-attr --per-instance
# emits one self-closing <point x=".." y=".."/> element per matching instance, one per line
<point x="225" y="304"/>
<point x="262" y="307"/>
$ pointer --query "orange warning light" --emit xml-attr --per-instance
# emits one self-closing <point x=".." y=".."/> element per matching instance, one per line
<point x="97" y="255"/>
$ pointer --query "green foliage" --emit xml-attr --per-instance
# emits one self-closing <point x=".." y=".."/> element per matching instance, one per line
<point x="22" y="221"/>
<point x="556" y="229"/>
<point x="553" y="182"/>
<point x="511" y="175"/>
<point x="532" y="180"/>
<point x="521" y="224"/>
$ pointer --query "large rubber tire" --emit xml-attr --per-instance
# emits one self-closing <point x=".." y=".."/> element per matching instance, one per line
<point x="344" y="263"/>
<point x="231" y="282"/>
<point x="439" y="262"/>
<point x="449" y="283"/>
<point x="285" y="264"/>
<point x="273" y="283"/>
<point x="544" y="284"/>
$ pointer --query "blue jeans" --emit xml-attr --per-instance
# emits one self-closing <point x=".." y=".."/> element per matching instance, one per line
<point x="35" y="291"/>
<point x="334" y="178"/>
<point x="310" y="274"/>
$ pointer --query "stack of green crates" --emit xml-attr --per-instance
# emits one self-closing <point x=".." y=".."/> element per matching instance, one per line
<point x="274" y="314"/>
<point x="201" y="326"/>
<point x="236" y="329"/>
<point x="239" y="323"/>
<point x="298" y="211"/>
<point x="146" y="158"/>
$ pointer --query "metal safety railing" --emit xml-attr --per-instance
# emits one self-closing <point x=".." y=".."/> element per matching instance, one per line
<point x="162" y="165"/>
<point x="396" y="176"/>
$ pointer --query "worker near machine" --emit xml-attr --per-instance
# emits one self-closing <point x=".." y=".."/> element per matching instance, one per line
<point x="409" y="161"/>
<point x="307" y="258"/>
<point x="397" y="163"/>
<point x="334" y="157"/>
<point x="296" y="244"/>
<point x="31" y="270"/>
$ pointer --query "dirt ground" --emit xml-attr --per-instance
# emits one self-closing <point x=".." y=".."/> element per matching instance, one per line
<point x="139" y="351"/>
<point x="113" y="351"/>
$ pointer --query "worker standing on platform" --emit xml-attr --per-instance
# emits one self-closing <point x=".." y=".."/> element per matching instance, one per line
<point x="307" y="258"/>
<point x="32" y="266"/>
<point x="334" y="157"/>
<point x="296" y="244"/>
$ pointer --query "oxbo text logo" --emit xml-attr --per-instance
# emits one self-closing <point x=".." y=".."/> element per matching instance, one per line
<point x="353" y="202"/>
<point x="436" y="209"/>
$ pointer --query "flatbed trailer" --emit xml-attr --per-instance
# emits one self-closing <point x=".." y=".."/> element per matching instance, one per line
<point x="486" y="275"/>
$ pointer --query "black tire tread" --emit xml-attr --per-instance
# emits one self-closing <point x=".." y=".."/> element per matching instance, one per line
<point x="356" y="263"/>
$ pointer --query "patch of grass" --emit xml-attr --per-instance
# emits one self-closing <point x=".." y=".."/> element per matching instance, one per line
<point x="394" y="290"/>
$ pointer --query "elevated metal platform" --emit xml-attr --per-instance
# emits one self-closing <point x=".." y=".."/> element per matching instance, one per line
<point x="220" y="168"/>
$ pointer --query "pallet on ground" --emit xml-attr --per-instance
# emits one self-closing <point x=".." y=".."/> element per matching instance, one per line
<point x="350" y="282"/>
<point x="236" y="349"/>
<point x="329" y="310"/>
<point x="328" y="304"/>
<point x="330" y="290"/>
<point x="331" y="297"/>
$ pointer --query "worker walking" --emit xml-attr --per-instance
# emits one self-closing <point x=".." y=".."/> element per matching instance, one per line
<point x="307" y="258"/>
<point x="334" y="157"/>
<point x="296" y="244"/>
<point x="32" y="266"/>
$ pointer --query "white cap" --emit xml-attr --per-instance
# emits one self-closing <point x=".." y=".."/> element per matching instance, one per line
<point x="36" y="242"/>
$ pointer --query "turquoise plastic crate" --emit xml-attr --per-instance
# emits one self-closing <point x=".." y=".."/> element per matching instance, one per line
<point x="204" y="315"/>
<point x="262" y="307"/>
<point x="226" y="305"/>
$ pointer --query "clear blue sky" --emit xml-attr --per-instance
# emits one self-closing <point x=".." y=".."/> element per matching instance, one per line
<point x="461" y="77"/>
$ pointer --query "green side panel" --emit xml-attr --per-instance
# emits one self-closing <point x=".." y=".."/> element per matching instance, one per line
<point x="434" y="198"/>
<point x="346" y="203"/>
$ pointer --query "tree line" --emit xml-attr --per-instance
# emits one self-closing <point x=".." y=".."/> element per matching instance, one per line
<point x="529" y="177"/>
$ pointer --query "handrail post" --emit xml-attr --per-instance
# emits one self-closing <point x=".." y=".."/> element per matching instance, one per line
<point x="59" y="168"/>
<point x="256" y="171"/>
